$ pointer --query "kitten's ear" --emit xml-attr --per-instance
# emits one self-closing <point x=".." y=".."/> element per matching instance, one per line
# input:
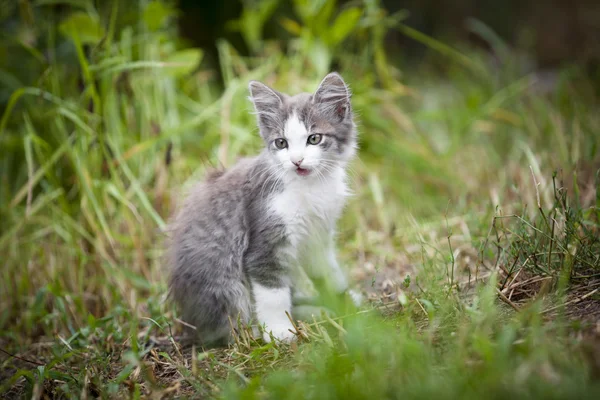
<point x="333" y="97"/>
<point x="267" y="103"/>
<point x="263" y="96"/>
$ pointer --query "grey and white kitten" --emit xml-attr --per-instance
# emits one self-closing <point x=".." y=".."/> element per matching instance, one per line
<point x="241" y="238"/>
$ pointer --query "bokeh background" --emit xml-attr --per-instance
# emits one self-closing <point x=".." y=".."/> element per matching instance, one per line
<point x="477" y="120"/>
<point x="552" y="32"/>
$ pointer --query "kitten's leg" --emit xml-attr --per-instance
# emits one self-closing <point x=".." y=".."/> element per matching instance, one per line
<point x="335" y="275"/>
<point x="271" y="304"/>
<point x="338" y="278"/>
<point x="324" y="265"/>
<point x="303" y="289"/>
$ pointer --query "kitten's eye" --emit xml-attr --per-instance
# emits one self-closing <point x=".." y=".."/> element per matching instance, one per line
<point x="315" y="139"/>
<point x="280" y="143"/>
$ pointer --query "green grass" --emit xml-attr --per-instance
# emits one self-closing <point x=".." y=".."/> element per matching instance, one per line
<point x="473" y="228"/>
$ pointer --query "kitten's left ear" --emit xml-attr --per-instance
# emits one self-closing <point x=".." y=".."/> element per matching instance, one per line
<point x="333" y="97"/>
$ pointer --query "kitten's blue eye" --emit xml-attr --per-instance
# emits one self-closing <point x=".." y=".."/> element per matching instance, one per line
<point x="280" y="143"/>
<point x="315" y="139"/>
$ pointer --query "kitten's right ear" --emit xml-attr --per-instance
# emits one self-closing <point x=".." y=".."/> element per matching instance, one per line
<point x="267" y="102"/>
<point x="263" y="96"/>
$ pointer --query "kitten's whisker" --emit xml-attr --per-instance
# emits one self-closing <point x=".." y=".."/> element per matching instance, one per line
<point x="277" y="181"/>
<point x="321" y="177"/>
<point x="261" y="170"/>
<point x="328" y="168"/>
<point x="267" y="180"/>
<point x="330" y="163"/>
<point x="277" y="176"/>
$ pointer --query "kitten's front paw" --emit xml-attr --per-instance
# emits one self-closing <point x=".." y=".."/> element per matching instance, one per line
<point x="356" y="296"/>
<point x="281" y="332"/>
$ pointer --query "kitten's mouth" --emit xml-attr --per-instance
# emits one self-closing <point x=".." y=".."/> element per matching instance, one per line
<point x="302" y="171"/>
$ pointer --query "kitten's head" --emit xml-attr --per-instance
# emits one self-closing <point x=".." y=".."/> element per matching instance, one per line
<point x="307" y="134"/>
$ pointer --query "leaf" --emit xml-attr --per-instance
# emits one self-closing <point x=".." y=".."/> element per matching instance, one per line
<point x="320" y="57"/>
<point x="438" y="46"/>
<point x="183" y="62"/>
<point x="428" y="305"/>
<point x="252" y="21"/>
<point x="82" y="27"/>
<point x="124" y="374"/>
<point x="266" y="8"/>
<point x="291" y="26"/>
<point x="136" y="280"/>
<point x="156" y="14"/>
<point x="323" y="16"/>
<point x="91" y="320"/>
<point x="344" y="24"/>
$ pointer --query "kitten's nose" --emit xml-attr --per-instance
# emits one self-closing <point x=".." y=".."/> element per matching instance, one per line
<point x="297" y="163"/>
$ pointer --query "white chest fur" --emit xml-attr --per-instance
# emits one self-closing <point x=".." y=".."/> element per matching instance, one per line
<point x="310" y="207"/>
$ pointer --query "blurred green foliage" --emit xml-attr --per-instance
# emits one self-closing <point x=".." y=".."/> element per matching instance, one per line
<point x="109" y="113"/>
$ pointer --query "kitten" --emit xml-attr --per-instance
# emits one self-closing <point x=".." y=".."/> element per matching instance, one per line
<point x="241" y="236"/>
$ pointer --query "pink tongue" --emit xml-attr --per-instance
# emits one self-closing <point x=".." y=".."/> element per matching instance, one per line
<point x="302" y="171"/>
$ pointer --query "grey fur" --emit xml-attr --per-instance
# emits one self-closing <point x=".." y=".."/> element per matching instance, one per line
<point x="223" y="236"/>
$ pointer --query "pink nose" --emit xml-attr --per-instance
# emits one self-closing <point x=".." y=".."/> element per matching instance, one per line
<point x="297" y="163"/>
